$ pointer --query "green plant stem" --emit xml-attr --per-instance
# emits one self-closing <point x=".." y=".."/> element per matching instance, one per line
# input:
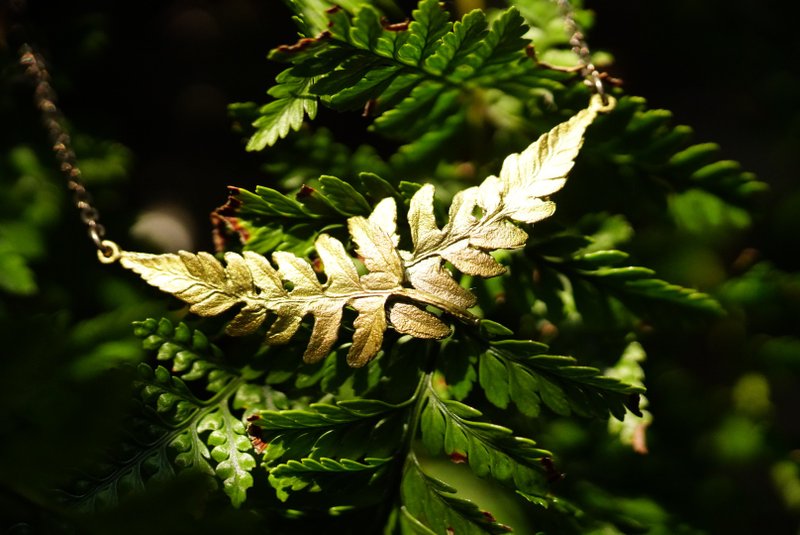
<point x="418" y="398"/>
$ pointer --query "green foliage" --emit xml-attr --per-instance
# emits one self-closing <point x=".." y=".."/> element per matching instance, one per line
<point x="423" y="83"/>
<point x="267" y="220"/>
<point x="291" y="105"/>
<point x="192" y="356"/>
<point x="322" y="428"/>
<point x="226" y="446"/>
<point x="549" y="375"/>
<point x="365" y="446"/>
<point x="432" y="507"/>
<point x="519" y="371"/>
<point x="420" y="79"/>
<point x="30" y="206"/>
<point x="175" y="429"/>
<point x="592" y="276"/>
<point x="672" y="180"/>
<point x="451" y="426"/>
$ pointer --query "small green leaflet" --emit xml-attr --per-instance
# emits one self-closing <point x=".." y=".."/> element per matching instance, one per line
<point x="519" y="371"/>
<point x="431" y="507"/>
<point x="297" y="475"/>
<point x="491" y="450"/>
<point x="299" y="445"/>
<point x="286" y="113"/>
<point x="230" y="449"/>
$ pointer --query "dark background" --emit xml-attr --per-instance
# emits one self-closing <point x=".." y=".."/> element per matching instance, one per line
<point x="157" y="76"/>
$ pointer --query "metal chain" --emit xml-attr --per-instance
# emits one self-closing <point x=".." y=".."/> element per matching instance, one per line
<point x="45" y="99"/>
<point x="592" y="77"/>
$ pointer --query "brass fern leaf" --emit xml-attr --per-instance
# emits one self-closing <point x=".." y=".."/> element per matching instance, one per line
<point x="399" y="284"/>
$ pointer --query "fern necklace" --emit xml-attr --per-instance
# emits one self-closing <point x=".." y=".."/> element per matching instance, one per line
<point x="399" y="285"/>
<point x="345" y="414"/>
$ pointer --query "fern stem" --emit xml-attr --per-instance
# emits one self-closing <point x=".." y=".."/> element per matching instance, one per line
<point x="406" y="452"/>
<point x="420" y="397"/>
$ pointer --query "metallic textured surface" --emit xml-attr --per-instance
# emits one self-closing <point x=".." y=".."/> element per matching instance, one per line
<point x="481" y="220"/>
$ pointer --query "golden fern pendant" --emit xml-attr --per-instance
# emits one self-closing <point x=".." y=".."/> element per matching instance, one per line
<point x="399" y="285"/>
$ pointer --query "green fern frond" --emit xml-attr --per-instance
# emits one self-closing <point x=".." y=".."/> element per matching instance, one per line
<point x="294" y="442"/>
<point x="315" y="432"/>
<point x="581" y="280"/>
<point x="413" y="77"/>
<point x="164" y="441"/>
<point x="193" y="357"/>
<point x="329" y="474"/>
<point x="174" y="430"/>
<point x="291" y="106"/>
<point x="312" y="153"/>
<point x="635" y="137"/>
<point x="230" y="450"/>
<point x="431" y="507"/>
<point x="520" y="371"/>
<point x="267" y="220"/>
<point x="489" y="449"/>
<point x="310" y="15"/>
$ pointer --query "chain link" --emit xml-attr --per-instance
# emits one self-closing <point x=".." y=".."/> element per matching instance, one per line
<point x="45" y="100"/>
<point x="592" y="77"/>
